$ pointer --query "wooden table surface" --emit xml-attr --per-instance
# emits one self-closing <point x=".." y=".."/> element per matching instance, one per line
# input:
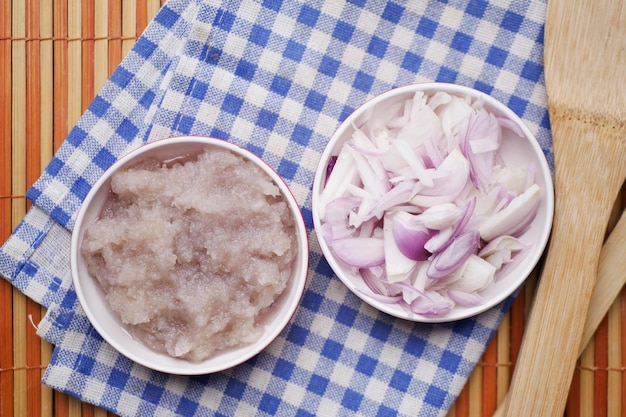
<point x="54" y="57"/>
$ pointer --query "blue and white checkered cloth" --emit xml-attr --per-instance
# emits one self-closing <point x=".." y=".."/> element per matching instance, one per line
<point x="277" y="77"/>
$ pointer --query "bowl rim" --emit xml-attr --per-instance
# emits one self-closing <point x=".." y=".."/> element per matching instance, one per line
<point x="543" y="171"/>
<point x="180" y="366"/>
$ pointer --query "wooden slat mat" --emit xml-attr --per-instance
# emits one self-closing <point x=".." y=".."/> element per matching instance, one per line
<point x="45" y="46"/>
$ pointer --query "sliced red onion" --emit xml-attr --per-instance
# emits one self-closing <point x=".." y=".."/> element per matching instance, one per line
<point x="501" y="250"/>
<point x="466" y="299"/>
<point x="454" y="117"/>
<point x="487" y="204"/>
<point x="440" y="216"/>
<point x="433" y="153"/>
<point x="420" y="279"/>
<point x="515" y="261"/>
<point x="360" y="252"/>
<point x="332" y="232"/>
<point x="386" y="299"/>
<point x="371" y="152"/>
<point x="500" y="258"/>
<point x="422" y="121"/>
<point x="400" y="194"/>
<point x="397" y="265"/>
<point x="384" y="116"/>
<point x="525" y="223"/>
<point x="343" y="174"/>
<point x="373" y="175"/>
<point x="410" y="289"/>
<point x="377" y="285"/>
<point x="398" y="122"/>
<point x="481" y="141"/>
<point x="444" y="238"/>
<point x="410" y="236"/>
<point x="453" y="174"/>
<point x="440" y="240"/>
<point x="408" y="293"/>
<point x="475" y="275"/>
<point x="364" y="144"/>
<point x="410" y="197"/>
<point x="466" y="215"/>
<point x="455" y="255"/>
<point x="415" y="164"/>
<point x="438" y="99"/>
<point x="331" y="164"/>
<point x="369" y="228"/>
<point x="408" y="208"/>
<point x="515" y="217"/>
<point x="432" y="304"/>
<point x="336" y="219"/>
<point x="338" y="210"/>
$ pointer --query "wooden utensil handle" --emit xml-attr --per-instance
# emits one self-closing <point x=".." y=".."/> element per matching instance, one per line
<point x="585" y="190"/>
<point x="611" y="279"/>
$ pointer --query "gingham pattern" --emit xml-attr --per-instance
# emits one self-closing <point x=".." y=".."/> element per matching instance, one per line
<point x="277" y="77"/>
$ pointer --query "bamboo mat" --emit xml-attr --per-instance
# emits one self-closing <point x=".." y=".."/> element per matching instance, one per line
<point x="54" y="57"/>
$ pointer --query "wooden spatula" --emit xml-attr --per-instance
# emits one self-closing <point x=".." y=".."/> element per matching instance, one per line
<point x="585" y="70"/>
<point x="611" y="280"/>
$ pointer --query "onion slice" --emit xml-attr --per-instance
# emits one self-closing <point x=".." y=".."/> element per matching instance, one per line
<point x="360" y="252"/>
<point x="455" y="255"/>
<point x="452" y="176"/>
<point x="514" y="218"/>
<point x="432" y="304"/>
<point x="343" y="174"/>
<point x="397" y="265"/>
<point x="410" y="235"/>
<point x="466" y="299"/>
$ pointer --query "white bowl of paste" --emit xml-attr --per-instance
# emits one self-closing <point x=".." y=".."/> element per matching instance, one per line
<point x="189" y="255"/>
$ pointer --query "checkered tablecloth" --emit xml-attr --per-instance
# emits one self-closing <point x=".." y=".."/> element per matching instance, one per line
<point x="277" y="77"/>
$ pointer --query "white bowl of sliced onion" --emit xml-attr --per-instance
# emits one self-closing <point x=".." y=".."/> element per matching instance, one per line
<point x="433" y="202"/>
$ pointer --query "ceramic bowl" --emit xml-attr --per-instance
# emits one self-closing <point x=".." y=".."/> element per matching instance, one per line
<point x="515" y="150"/>
<point x="108" y="323"/>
